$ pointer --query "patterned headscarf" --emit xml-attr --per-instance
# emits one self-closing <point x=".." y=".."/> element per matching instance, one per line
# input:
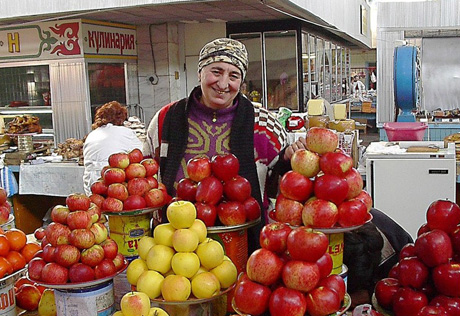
<point x="225" y="50"/>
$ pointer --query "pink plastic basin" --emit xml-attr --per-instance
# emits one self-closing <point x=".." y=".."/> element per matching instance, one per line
<point x="397" y="131"/>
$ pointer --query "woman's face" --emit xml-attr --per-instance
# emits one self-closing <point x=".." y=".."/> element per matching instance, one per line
<point x="220" y="83"/>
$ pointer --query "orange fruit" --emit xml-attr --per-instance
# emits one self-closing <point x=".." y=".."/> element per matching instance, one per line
<point x="2" y="231"/>
<point x="5" y="267"/>
<point x="4" y="246"/>
<point x="16" y="259"/>
<point x="29" y="250"/>
<point x="16" y="238"/>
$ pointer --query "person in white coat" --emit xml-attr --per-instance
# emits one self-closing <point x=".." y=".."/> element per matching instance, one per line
<point x="107" y="137"/>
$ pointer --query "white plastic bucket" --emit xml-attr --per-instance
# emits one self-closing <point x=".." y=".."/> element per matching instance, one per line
<point x="97" y="300"/>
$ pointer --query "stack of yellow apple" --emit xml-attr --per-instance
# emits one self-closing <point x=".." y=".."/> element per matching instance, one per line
<point x="179" y="262"/>
<point x="138" y="304"/>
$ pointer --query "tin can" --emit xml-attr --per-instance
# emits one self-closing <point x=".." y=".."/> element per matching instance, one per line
<point x="335" y="249"/>
<point x="7" y="298"/>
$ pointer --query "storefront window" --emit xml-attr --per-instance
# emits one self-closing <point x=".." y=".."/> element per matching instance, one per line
<point x="106" y="83"/>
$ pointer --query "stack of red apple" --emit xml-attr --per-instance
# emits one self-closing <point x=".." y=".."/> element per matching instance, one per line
<point x="290" y="275"/>
<point x="5" y="207"/>
<point x="75" y="245"/>
<point x="220" y="195"/>
<point x="129" y="182"/>
<point x="426" y="280"/>
<point x="323" y="189"/>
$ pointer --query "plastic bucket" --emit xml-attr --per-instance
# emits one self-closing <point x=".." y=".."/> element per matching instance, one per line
<point x="7" y="298"/>
<point x="97" y="300"/>
<point x="335" y="249"/>
<point x="127" y="230"/>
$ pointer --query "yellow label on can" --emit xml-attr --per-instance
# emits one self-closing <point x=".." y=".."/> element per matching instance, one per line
<point x="128" y="230"/>
<point x="335" y="249"/>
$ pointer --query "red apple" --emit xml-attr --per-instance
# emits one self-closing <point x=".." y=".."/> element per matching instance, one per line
<point x="114" y="175"/>
<point x="135" y="155"/>
<point x="134" y="202"/>
<point x="57" y="234"/>
<point x="288" y="211"/>
<point x="251" y="297"/>
<point x="331" y="188"/>
<point x="119" y="160"/>
<point x="307" y="244"/>
<point x="135" y="170"/>
<point x="100" y="232"/>
<point x="366" y="198"/>
<point x="155" y="198"/>
<point x="81" y="272"/>
<point x="198" y="168"/>
<point x="455" y="240"/>
<point x="336" y="283"/>
<point x="273" y="237"/>
<point x="413" y="272"/>
<point x="66" y="255"/>
<point x="231" y="213"/>
<point x="300" y="275"/>
<point x="408" y="250"/>
<point x="325" y="265"/>
<point x="112" y="204"/>
<point x="285" y="301"/>
<point x="151" y="167"/>
<point x="94" y="212"/>
<point x="105" y="268"/>
<point x="336" y="163"/>
<point x="92" y="256"/>
<point x="81" y="238"/>
<point x="408" y="302"/>
<point x="99" y="187"/>
<point x="39" y="233"/>
<point x="450" y="304"/>
<point x="59" y="214"/>
<point x="355" y="183"/>
<point x="4" y="213"/>
<point x="295" y="186"/>
<point x="3" y="196"/>
<point x="446" y="279"/>
<point x="423" y="229"/>
<point x="264" y="266"/>
<point x="48" y="252"/>
<point x="79" y="219"/>
<point x="117" y="191"/>
<point x="54" y="273"/>
<point x="35" y="267"/>
<point x="385" y="290"/>
<point x="321" y="140"/>
<point x="137" y="186"/>
<point x="252" y="208"/>
<point x="119" y="261"/>
<point x="434" y="247"/>
<point x="237" y="188"/>
<point x="97" y="199"/>
<point x="444" y="215"/>
<point x="225" y="166"/>
<point x="394" y="271"/>
<point x="209" y="190"/>
<point x="432" y="310"/>
<point x="207" y="213"/>
<point x="322" y="301"/>
<point x="27" y="297"/>
<point x="77" y="201"/>
<point x="319" y="213"/>
<point x="305" y="162"/>
<point x="110" y="248"/>
<point x="186" y="189"/>
<point x="153" y="182"/>
<point x="352" y="213"/>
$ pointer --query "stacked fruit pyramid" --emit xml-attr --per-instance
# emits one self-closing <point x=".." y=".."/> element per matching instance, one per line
<point x="323" y="189"/>
<point x="426" y="280"/>
<point x="76" y="246"/>
<point x="180" y="262"/>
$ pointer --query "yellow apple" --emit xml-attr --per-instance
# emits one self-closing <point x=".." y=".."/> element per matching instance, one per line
<point x="47" y="303"/>
<point x="159" y="258"/>
<point x="135" y="269"/>
<point x="149" y="283"/>
<point x="199" y="227"/>
<point x="227" y="258"/>
<point x="201" y="269"/>
<point x="157" y="311"/>
<point x="205" y="285"/>
<point x="162" y="234"/>
<point x="226" y="272"/>
<point x="135" y="304"/>
<point x="211" y="253"/>
<point x="117" y="313"/>
<point x="176" y="288"/>
<point x="181" y="214"/>
<point x="185" y="240"/>
<point x="185" y="264"/>
<point x="144" y="245"/>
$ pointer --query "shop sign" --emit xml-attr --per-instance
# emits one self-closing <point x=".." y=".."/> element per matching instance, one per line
<point x="68" y="39"/>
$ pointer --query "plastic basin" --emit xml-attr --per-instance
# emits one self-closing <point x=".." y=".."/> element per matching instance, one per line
<point x="397" y="131"/>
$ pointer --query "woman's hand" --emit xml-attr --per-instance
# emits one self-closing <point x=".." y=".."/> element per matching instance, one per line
<point x="297" y="145"/>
